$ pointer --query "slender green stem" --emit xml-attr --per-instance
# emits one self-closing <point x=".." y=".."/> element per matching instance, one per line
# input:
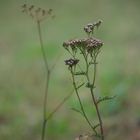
<point x="91" y="91"/>
<point x="95" y="102"/>
<point x="60" y="104"/>
<point x="47" y="81"/>
<point x="98" y="113"/>
<point x="42" y="46"/>
<point x="48" y="73"/>
<point x="81" y="105"/>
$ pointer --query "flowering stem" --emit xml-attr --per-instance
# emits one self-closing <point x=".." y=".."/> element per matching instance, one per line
<point x="47" y="80"/>
<point x="81" y="105"/>
<point x="92" y="93"/>
<point x="89" y="48"/>
<point x="95" y="103"/>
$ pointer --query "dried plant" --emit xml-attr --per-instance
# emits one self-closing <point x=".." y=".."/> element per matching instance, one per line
<point x="89" y="48"/>
<point x="39" y="15"/>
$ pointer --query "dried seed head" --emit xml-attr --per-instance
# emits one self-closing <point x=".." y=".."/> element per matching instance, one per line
<point x="24" y="6"/>
<point x="66" y="45"/>
<point x="89" y="28"/>
<point x="74" y="43"/>
<point x="71" y="62"/>
<point x="38" y="14"/>
<point x="69" y="44"/>
<point x="31" y="7"/>
<point x="93" y="44"/>
<point x="86" y="43"/>
<point x="98" y="23"/>
<point x="90" y="24"/>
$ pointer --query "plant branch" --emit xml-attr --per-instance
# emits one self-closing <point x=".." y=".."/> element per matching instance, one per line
<point x="47" y="80"/>
<point x="92" y="93"/>
<point x="81" y="105"/>
<point x="95" y="103"/>
<point x="42" y="46"/>
<point x="59" y="105"/>
<point x="89" y="48"/>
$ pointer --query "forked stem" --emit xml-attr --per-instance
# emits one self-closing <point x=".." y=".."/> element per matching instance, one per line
<point x="47" y="80"/>
<point x="95" y="102"/>
<point x="89" y="48"/>
<point x="92" y="93"/>
<point x="80" y="102"/>
<point x="39" y="14"/>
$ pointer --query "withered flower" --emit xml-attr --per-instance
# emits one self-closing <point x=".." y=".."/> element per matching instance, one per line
<point x="31" y="7"/>
<point x="71" y="62"/>
<point x="88" y="44"/>
<point x="98" y="23"/>
<point x="93" y="44"/>
<point x="74" y="43"/>
<point x="88" y="48"/>
<point x="71" y="44"/>
<point x="89" y="28"/>
<point x="37" y="13"/>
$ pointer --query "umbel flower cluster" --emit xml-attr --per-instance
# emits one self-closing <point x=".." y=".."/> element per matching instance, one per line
<point x="36" y="13"/>
<point x="89" y="45"/>
<point x="89" y="28"/>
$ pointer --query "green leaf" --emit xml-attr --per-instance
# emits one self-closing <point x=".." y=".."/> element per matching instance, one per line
<point x="88" y="85"/>
<point x="101" y="99"/>
<point x="78" y="111"/>
<point x="80" y="85"/>
<point x="79" y="73"/>
<point x="97" y="125"/>
<point x="93" y="63"/>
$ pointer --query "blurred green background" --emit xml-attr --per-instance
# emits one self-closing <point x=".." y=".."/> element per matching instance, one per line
<point x="22" y="72"/>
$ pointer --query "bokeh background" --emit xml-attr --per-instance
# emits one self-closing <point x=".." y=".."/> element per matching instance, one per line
<point x="22" y="72"/>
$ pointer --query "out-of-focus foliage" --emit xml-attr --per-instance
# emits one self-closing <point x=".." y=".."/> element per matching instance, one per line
<point x="22" y="68"/>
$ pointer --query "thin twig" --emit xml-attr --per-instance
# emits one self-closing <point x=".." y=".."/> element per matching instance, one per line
<point x="59" y="105"/>
<point x="55" y="62"/>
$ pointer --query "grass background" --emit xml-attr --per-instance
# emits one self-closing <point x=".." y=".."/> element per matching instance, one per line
<point x="22" y="69"/>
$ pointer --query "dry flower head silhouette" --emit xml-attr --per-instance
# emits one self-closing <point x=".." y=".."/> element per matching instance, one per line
<point x="37" y="13"/>
<point x="89" y="48"/>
